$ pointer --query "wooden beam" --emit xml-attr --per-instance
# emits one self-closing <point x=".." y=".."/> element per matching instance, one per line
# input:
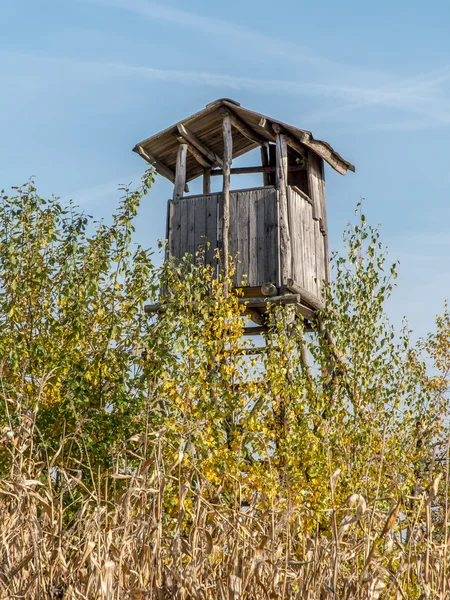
<point x="305" y="312"/>
<point x="160" y="167"/>
<point x="227" y="159"/>
<point x="207" y="181"/>
<point x="255" y="316"/>
<point x="306" y="296"/>
<point x="318" y="147"/>
<point x="282" y="182"/>
<point x="245" y="129"/>
<point x="330" y="157"/>
<point x="180" y="173"/>
<point x="267" y="126"/>
<point x="247" y="170"/>
<point x="256" y="330"/>
<point x="291" y="141"/>
<point x="265" y="164"/>
<point x="195" y="153"/>
<point x="201" y="147"/>
<point x="264" y="300"/>
<point x="249" y="303"/>
<point x="269" y="289"/>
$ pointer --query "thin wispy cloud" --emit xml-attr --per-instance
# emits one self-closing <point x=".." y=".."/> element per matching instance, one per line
<point x="353" y="95"/>
<point x="420" y="95"/>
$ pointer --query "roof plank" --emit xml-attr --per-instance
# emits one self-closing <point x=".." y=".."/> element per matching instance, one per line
<point x="201" y="147"/>
<point x="159" y="166"/>
<point x="203" y="134"/>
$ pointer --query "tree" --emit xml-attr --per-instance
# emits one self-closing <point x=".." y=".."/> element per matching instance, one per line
<point x="171" y="424"/>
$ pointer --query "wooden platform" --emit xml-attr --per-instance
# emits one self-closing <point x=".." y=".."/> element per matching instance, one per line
<point x="256" y="303"/>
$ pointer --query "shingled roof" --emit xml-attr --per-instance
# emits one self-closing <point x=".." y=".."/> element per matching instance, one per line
<point x="203" y="134"/>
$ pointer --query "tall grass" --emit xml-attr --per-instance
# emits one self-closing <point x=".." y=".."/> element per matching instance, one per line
<point x="124" y="536"/>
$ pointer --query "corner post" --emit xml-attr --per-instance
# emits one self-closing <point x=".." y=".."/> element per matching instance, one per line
<point x="283" y="210"/>
<point x="180" y="173"/>
<point x="206" y="181"/>
<point x="227" y="160"/>
<point x="265" y="163"/>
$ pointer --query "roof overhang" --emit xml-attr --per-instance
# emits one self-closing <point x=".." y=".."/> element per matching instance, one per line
<point x="203" y="134"/>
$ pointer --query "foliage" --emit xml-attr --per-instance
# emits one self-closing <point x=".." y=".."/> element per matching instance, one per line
<point x="160" y="457"/>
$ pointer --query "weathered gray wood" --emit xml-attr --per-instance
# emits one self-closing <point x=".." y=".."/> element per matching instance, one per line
<point x="199" y="210"/>
<point x="263" y="300"/>
<point x="265" y="164"/>
<point x="316" y="181"/>
<point x="305" y="312"/>
<point x="269" y="289"/>
<point x="248" y="302"/>
<point x="160" y="167"/>
<point x="270" y="241"/>
<point x="169" y="223"/>
<point x="291" y="141"/>
<point x="201" y="147"/>
<point x="306" y="296"/>
<point x="313" y="170"/>
<point x="174" y="230"/>
<point x="187" y="216"/>
<point x="327" y="258"/>
<point x="294" y="230"/>
<point x="254" y="201"/>
<point x="320" y="259"/>
<point x="245" y="129"/>
<point x="268" y="129"/>
<point x="233" y="238"/>
<point x="255" y="330"/>
<point x="211" y="229"/>
<point x="283" y="223"/>
<point x="250" y="170"/>
<point x="301" y="193"/>
<point x="244" y="207"/>
<point x="180" y="173"/>
<point x="327" y="154"/>
<point x="253" y="235"/>
<point x="207" y="181"/>
<point x="227" y="159"/>
<point x="262" y="242"/>
<point x="255" y="316"/>
<point x="253" y="231"/>
<point x="195" y="153"/>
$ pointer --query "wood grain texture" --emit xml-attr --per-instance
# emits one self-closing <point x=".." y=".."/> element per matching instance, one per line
<point x="207" y="181"/>
<point x="180" y="173"/>
<point x="283" y="216"/>
<point x="190" y="137"/>
<point x="206" y="126"/>
<point x="265" y="163"/>
<point x="253" y="236"/>
<point x="227" y="159"/>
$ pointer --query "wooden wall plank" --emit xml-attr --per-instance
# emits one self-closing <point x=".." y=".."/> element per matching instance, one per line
<point x="211" y="229"/>
<point x="320" y="259"/>
<point x="254" y="201"/>
<point x="199" y="217"/>
<point x="180" y="173"/>
<point x="227" y="160"/>
<point x="262" y="238"/>
<point x="271" y="272"/>
<point x="283" y="224"/>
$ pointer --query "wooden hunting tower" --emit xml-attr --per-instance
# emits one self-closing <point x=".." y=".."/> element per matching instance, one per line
<point x="277" y="232"/>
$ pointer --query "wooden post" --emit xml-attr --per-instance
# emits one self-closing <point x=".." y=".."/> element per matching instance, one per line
<point x="180" y="173"/>
<point x="227" y="159"/>
<point x="265" y="163"/>
<point x="281" y="180"/>
<point x="207" y="181"/>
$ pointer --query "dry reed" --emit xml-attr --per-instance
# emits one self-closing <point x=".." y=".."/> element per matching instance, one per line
<point x="60" y="539"/>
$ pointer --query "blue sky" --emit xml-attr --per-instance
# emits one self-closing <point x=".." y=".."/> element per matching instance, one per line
<point x="84" y="80"/>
